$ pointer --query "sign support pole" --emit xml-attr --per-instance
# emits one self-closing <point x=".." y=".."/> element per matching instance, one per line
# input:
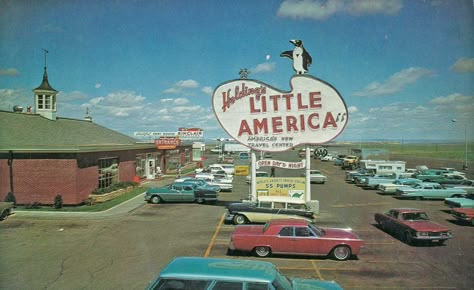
<point x="308" y="175"/>
<point x="253" y="173"/>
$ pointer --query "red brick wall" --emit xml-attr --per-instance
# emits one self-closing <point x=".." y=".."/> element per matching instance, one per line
<point x="127" y="170"/>
<point x="40" y="180"/>
<point x="4" y="179"/>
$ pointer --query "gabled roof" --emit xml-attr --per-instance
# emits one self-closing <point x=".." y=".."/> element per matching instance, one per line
<point x="34" y="133"/>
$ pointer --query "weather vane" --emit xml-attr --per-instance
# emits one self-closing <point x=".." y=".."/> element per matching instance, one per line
<point x="244" y="73"/>
<point x="45" y="52"/>
<point x="301" y="58"/>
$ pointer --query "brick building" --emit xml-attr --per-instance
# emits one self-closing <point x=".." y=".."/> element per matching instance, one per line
<point x="42" y="155"/>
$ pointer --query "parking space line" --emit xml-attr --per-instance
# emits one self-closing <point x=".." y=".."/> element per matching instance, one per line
<point x="214" y="237"/>
<point x="317" y="270"/>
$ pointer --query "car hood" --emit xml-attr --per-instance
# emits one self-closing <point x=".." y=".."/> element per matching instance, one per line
<point x="426" y="226"/>
<point x="339" y="233"/>
<point x="240" y="206"/>
<point x="307" y="284"/>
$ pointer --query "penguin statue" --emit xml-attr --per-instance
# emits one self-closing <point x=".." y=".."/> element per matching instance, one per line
<point x="301" y="58"/>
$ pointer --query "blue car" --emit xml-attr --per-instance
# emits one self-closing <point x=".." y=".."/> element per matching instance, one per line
<point x="222" y="274"/>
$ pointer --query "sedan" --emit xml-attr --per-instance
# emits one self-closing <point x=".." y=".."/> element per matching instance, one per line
<point x="316" y="176"/>
<point x="412" y="225"/>
<point x="295" y="237"/>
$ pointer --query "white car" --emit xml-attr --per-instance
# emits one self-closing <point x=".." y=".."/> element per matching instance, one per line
<point x="328" y="157"/>
<point x="224" y="184"/>
<point x="316" y="176"/>
<point x="257" y="174"/>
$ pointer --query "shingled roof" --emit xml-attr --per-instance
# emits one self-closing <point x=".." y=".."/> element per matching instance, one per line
<point x="34" y="133"/>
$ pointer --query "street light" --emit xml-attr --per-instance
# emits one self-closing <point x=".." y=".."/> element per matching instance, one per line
<point x="465" y="144"/>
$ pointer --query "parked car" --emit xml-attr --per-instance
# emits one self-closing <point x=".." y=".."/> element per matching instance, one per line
<point x="248" y="178"/>
<point x="328" y="157"/>
<point x="316" y="176"/>
<point x="412" y="225"/>
<point x="463" y="214"/>
<point x="266" y="208"/>
<point x="295" y="237"/>
<point x="391" y="188"/>
<point x="352" y="176"/>
<point x="198" y="273"/>
<point x="5" y="209"/>
<point x="467" y="185"/>
<point x="374" y="181"/>
<point x="200" y="183"/>
<point x="225" y="184"/>
<point x="429" y="190"/>
<point x="180" y="192"/>
<point x="466" y="202"/>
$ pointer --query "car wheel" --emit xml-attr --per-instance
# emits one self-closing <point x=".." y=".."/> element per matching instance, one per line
<point x="262" y="251"/>
<point x="341" y="253"/>
<point x="240" y="219"/>
<point x="199" y="200"/>
<point x="441" y="242"/>
<point x="418" y="198"/>
<point x="155" y="199"/>
<point x="407" y="238"/>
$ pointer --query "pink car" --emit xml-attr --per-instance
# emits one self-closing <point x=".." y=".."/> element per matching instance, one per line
<point x="295" y="237"/>
<point x="463" y="214"/>
<point x="412" y="225"/>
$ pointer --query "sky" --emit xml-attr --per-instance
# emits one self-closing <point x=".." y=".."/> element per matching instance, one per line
<point x="404" y="68"/>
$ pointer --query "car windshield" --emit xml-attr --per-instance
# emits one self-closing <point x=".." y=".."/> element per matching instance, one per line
<point x="318" y="231"/>
<point x="281" y="281"/>
<point x="415" y="216"/>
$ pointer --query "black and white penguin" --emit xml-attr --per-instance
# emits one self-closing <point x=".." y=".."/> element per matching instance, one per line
<point x="301" y="58"/>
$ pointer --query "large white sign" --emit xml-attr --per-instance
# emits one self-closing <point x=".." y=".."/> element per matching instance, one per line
<point x="267" y="119"/>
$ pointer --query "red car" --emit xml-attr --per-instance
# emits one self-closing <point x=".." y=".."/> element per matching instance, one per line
<point x="463" y="214"/>
<point x="412" y="225"/>
<point x="295" y="237"/>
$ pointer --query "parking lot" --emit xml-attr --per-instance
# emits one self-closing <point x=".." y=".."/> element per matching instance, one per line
<point x="127" y="249"/>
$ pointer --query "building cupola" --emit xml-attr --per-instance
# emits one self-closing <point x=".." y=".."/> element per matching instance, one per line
<point x="45" y="96"/>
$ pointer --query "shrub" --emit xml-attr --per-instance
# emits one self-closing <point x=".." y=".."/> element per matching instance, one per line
<point x="10" y="197"/>
<point x="58" y="201"/>
<point x="114" y="187"/>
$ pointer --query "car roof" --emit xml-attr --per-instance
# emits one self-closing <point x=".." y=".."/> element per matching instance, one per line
<point x="408" y="209"/>
<point x="281" y="199"/>
<point x="219" y="268"/>
<point x="290" y="222"/>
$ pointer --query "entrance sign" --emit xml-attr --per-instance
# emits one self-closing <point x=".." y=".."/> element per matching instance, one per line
<point x="281" y="164"/>
<point x="267" y="119"/>
<point x="167" y="142"/>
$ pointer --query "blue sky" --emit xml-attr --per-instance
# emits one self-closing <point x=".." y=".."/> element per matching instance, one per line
<point x="404" y="68"/>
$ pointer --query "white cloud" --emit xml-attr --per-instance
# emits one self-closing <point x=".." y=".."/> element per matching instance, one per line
<point x="187" y="84"/>
<point x="321" y="10"/>
<point x="97" y="86"/>
<point x="352" y="109"/>
<point x="395" y="83"/>
<point x="13" y="97"/>
<point x="166" y="100"/>
<point x="463" y="65"/>
<point x="12" y="72"/>
<point x="264" y="67"/>
<point x="207" y="90"/>
<point x="453" y="99"/>
<point x="181" y="101"/>
<point x="182" y="85"/>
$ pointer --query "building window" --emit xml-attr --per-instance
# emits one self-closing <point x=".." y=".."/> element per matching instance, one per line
<point x="46" y="102"/>
<point x="108" y="172"/>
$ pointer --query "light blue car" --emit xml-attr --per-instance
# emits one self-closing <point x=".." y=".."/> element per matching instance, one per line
<point x="221" y="274"/>
<point x="465" y="202"/>
<point x="429" y="190"/>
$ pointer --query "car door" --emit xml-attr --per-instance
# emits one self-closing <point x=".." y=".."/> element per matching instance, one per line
<point x="284" y="242"/>
<point x="307" y="242"/>
<point x="187" y="194"/>
<point x="262" y="213"/>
